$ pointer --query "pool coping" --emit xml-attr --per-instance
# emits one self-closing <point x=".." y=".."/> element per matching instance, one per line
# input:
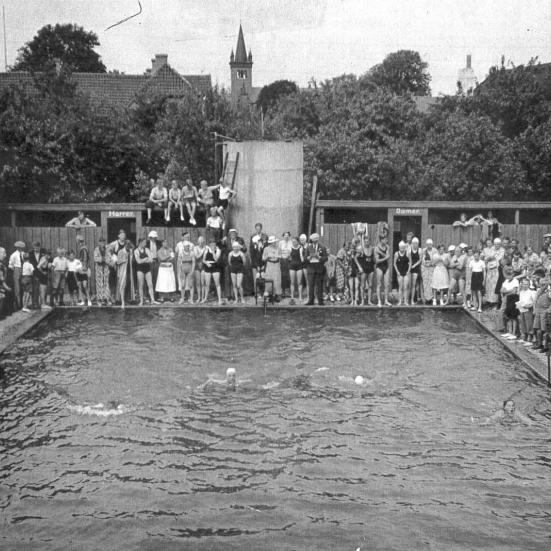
<point x="535" y="361"/>
<point x="17" y="324"/>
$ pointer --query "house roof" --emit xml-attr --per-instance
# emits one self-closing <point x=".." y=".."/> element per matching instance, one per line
<point x="120" y="90"/>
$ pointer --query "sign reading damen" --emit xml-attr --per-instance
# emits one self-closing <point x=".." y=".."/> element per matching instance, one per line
<point x="408" y="212"/>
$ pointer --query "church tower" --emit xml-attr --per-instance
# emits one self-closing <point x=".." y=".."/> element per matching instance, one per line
<point x="241" y="67"/>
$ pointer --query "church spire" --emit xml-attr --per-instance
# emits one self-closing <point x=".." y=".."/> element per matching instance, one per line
<point x="241" y="51"/>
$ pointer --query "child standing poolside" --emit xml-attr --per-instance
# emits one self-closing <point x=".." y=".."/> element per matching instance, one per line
<point x="477" y="268"/>
<point x="59" y="265"/>
<point x="525" y="305"/>
<point x="509" y="293"/>
<point x="26" y="282"/>
<point x="73" y="267"/>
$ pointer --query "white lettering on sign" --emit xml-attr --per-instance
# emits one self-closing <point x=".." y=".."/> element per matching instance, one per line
<point x="120" y="214"/>
<point x="409" y="211"/>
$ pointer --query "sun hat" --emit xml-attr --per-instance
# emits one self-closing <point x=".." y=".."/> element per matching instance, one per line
<point x="451" y="248"/>
<point x="315" y="236"/>
<point x="19" y="244"/>
<point x="233" y="230"/>
<point x="429" y="241"/>
<point x="271" y="239"/>
<point x="547" y="235"/>
<point x="153" y="234"/>
<point x="463" y="245"/>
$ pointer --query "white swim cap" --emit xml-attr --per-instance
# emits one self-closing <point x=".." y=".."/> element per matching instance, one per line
<point x="359" y="380"/>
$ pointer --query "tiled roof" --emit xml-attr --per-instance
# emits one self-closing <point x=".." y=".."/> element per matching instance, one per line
<point x="120" y="90"/>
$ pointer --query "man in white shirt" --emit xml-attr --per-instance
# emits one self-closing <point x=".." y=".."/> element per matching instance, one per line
<point x="158" y="198"/>
<point x="15" y="264"/>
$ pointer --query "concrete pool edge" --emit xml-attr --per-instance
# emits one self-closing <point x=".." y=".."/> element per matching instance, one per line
<point x="536" y="362"/>
<point x="17" y="324"/>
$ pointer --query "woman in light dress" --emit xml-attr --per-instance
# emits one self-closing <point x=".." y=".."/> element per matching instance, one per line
<point x="427" y="268"/>
<point x="492" y="257"/>
<point x="166" y="281"/>
<point x="440" y="277"/>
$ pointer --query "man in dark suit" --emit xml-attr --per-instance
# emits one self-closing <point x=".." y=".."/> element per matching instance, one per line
<point x="316" y="257"/>
<point x="34" y="257"/>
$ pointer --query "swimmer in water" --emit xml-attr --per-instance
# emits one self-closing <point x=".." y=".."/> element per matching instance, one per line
<point x="100" y="410"/>
<point x="230" y="381"/>
<point x="508" y="415"/>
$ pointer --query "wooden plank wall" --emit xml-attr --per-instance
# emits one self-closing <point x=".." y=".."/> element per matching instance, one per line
<point x="336" y="234"/>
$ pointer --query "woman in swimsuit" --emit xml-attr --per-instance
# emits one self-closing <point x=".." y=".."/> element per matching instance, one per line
<point x="402" y="266"/>
<point x="186" y="269"/>
<point x="143" y="270"/>
<point x="415" y="270"/>
<point x="236" y="263"/>
<point x="211" y="263"/>
<point x="354" y="272"/>
<point x="367" y="262"/>
<point x="189" y="199"/>
<point x="199" y="272"/>
<point x="382" y="256"/>
<point x="296" y="263"/>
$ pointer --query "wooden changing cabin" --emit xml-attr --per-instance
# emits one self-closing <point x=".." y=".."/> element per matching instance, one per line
<point x="525" y="221"/>
<point x="46" y="223"/>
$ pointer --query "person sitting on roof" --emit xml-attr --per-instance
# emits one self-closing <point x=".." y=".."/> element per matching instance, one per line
<point x="80" y="221"/>
<point x="158" y="198"/>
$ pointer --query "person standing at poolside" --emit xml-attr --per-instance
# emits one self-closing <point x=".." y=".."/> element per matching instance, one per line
<point x="143" y="260"/>
<point x="120" y="251"/>
<point x="84" y="273"/>
<point x="272" y="271"/>
<point x="42" y="271"/>
<point x="212" y="267"/>
<point x="382" y="258"/>
<point x="285" y="253"/>
<point x="402" y="267"/>
<point x="427" y="269"/>
<point x="415" y="260"/>
<point x="257" y="243"/>
<point x="15" y="265"/>
<point x="101" y="260"/>
<point x="166" y="281"/>
<point x="214" y="225"/>
<point x="316" y="257"/>
<point x="185" y="267"/>
<point x="153" y="243"/>
<point x="199" y="272"/>
<point x="34" y="258"/>
<point x="493" y="257"/>
<point x="60" y="265"/>
<point x="477" y="268"/>
<point x="5" y="289"/>
<point x="27" y="283"/>
<point x="236" y="264"/>
<point x="440" y="277"/>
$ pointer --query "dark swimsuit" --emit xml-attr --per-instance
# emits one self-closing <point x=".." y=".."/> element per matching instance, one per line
<point x="402" y="263"/>
<point x="214" y="268"/>
<point x="383" y="266"/>
<point x="236" y="264"/>
<point x="295" y="260"/>
<point x="414" y="259"/>
<point x="144" y="268"/>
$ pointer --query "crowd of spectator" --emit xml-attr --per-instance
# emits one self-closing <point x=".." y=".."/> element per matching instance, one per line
<point x="498" y="274"/>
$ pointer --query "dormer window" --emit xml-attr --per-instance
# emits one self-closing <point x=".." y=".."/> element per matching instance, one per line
<point x="241" y="74"/>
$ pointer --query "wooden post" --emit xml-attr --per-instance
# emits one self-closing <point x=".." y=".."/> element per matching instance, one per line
<point x="313" y="203"/>
<point x="517" y="217"/>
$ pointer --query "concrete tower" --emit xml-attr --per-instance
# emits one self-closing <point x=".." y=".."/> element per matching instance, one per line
<point x="241" y="66"/>
<point x="466" y="78"/>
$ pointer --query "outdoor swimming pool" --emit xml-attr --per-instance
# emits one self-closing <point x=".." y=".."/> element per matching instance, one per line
<point x="314" y="463"/>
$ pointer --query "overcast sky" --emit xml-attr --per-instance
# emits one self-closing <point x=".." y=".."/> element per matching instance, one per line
<point x="298" y="39"/>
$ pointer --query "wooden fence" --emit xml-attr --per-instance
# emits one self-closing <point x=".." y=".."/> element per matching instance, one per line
<point x="334" y="235"/>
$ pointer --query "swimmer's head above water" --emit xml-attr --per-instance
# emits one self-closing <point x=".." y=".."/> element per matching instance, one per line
<point x="231" y="376"/>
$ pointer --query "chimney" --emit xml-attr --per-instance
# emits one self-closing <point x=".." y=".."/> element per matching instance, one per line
<point x="468" y="61"/>
<point x="158" y="61"/>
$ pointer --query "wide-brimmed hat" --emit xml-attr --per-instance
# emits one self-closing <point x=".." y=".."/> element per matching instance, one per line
<point x="19" y="244"/>
<point x="153" y="234"/>
<point x="463" y="245"/>
<point x="315" y="236"/>
<point x="547" y="235"/>
<point x="271" y="239"/>
<point x="451" y="248"/>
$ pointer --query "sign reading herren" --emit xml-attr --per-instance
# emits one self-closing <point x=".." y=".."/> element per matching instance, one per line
<point x="121" y="214"/>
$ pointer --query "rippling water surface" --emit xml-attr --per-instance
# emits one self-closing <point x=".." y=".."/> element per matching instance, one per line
<point x="314" y="463"/>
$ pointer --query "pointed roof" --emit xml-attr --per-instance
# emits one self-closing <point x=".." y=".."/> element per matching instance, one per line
<point x="241" y="51"/>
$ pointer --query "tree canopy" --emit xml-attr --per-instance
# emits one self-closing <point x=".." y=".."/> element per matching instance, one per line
<point x="70" y="44"/>
<point x="270" y="93"/>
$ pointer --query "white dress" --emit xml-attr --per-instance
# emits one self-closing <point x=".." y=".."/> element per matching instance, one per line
<point x="166" y="280"/>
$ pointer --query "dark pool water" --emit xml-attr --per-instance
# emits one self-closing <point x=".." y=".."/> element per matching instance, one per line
<point x="314" y="463"/>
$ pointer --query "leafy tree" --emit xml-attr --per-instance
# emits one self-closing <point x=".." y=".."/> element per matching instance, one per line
<point x="271" y="93"/>
<point x="70" y="44"/>
<point x="402" y="72"/>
